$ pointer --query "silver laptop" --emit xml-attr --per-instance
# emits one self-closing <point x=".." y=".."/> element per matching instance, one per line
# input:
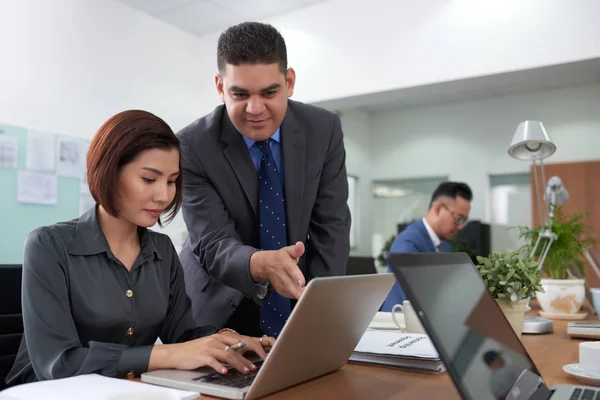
<point x="480" y="350"/>
<point x="322" y="331"/>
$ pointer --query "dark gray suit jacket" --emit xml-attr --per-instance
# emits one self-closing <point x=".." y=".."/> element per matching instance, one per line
<point x="220" y="196"/>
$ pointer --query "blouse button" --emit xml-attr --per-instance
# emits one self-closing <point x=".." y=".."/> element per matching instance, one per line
<point x="130" y="331"/>
<point x="129" y="293"/>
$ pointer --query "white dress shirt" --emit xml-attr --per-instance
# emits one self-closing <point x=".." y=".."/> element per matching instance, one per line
<point x="434" y="237"/>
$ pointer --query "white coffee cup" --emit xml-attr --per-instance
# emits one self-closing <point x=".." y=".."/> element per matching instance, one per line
<point x="411" y="320"/>
<point x="589" y="356"/>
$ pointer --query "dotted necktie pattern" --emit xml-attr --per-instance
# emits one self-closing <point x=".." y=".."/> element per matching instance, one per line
<point x="273" y="234"/>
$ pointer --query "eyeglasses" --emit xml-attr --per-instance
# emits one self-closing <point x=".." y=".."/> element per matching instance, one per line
<point x="458" y="219"/>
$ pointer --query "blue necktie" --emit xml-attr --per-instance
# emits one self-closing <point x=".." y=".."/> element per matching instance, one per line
<point x="272" y="234"/>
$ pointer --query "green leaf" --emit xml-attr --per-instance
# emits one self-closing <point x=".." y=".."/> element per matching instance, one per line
<point x="510" y="275"/>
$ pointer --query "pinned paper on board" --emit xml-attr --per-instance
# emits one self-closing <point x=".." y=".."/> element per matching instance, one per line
<point x="37" y="188"/>
<point x="83" y="184"/>
<point x="69" y="157"/>
<point x="41" y="154"/>
<point x="8" y="151"/>
<point x="86" y="201"/>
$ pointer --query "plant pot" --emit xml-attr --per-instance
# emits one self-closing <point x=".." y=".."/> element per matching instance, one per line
<point x="562" y="296"/>
<point x="514" y="313"/>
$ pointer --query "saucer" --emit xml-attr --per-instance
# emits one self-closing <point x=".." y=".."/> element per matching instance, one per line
<point x="584" y="375"/>
<point x="575" y="316"/>
<point x="383" y="321"/>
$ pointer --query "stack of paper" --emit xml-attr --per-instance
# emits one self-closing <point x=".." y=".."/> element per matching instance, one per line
<point x="400" y="350"/>
<point x="93" y="387"/>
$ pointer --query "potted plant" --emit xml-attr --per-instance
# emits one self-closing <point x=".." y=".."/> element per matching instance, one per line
<point x="383" y="255"/>
<point x="563" y="268"/>
<point x="512" y="280"/>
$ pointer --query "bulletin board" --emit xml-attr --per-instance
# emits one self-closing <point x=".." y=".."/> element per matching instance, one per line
<point x="22" y="208"/>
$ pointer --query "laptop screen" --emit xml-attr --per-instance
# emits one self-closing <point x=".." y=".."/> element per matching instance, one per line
<point x="477" y="344"/>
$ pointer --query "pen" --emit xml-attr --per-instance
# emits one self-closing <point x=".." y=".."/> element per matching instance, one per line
<point x="238" y="346"/>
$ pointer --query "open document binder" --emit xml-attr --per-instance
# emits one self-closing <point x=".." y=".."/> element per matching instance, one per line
<point x="398" y="350"/>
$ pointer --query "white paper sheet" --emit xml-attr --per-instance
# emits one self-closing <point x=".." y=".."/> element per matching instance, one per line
<point x="69" y="157"/>
<point x="37" y="187"/>
<point x="86" y="201"/>
<point x="396" y="343"/>
<point x="8" y="151"/>
<point x="83" y="184"/>
<point x="41" y="154"/>
<point x="94" y="387"/>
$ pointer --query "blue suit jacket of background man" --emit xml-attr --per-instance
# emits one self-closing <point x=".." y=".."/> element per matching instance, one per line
<point x="413" y="239"/>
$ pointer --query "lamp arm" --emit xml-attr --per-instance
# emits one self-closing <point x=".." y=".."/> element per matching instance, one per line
<point x="592" y="261"/>
<point x="544" y="182"/>
<point x="538" y="195"/>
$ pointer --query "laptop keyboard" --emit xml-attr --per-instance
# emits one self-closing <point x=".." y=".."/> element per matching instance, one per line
<point x="233" y="378"/>
<point x="585" y="394"/>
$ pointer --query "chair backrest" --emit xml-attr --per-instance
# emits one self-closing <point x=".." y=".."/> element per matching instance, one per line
<point x="11" y="320"/>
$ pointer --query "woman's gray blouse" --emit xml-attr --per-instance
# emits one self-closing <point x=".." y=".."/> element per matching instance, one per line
<point x="84" y="312"/>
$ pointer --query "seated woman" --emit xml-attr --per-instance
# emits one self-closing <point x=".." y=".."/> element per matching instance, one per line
<point x="99" y="290"/>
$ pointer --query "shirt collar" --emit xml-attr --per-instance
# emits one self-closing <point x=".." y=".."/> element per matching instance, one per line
<point x="434" y="237"/>
<point x="276" y="137"/>
<point x="90" y="240"/>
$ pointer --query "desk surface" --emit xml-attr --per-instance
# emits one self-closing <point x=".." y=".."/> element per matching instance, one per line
<point x="549" y="352"/>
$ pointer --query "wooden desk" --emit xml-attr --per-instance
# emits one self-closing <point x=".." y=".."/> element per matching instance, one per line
<point x="549" y="352"/>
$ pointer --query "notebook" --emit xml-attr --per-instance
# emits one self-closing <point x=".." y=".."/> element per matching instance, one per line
<point x="94" y="387"/>
<point x="399" y="350"/>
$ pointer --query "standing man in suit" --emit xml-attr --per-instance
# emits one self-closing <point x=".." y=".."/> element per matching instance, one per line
<point x="448" y="213"/>
<point x="265" y="190"/>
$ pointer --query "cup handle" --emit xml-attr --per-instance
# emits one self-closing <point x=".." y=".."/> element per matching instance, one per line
<point x="394" y="309"/>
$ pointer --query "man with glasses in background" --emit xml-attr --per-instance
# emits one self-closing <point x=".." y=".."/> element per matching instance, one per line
<point x="448" y="213"/>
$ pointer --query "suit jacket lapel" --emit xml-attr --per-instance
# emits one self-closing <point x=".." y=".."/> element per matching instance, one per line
<point x="239" y="159"/>
<point x="293" y="140"/>
<point x="426" y="238"/>
<point x="446" y="246"/>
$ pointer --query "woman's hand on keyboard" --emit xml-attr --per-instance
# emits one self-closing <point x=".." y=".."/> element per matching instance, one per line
<point x="260" y="346"/>
<point x="212" y="351"/>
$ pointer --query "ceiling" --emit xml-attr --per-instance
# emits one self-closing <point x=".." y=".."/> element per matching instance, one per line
<point x="204" y="16"/>
<point x="586" y="72"/>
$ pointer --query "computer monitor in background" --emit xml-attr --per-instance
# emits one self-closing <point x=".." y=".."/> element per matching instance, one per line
<point x="360" y="266"/>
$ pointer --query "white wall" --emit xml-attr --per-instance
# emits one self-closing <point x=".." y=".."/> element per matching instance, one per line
<point x="469" y="140"/>
<point x="68" y="65"/>
<point x="342" y="48"/>
<point x="356" y="125"/>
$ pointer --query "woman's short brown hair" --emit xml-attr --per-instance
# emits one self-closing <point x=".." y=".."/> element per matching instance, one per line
<point x="118" y="142"/>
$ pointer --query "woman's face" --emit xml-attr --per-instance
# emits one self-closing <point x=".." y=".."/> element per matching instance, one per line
<point x="147" y="186"/>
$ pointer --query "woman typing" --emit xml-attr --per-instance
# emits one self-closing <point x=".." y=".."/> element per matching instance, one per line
<point x="99" y="290"/>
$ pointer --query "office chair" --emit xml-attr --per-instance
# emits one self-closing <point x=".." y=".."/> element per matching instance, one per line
<point x="11" y="321"/>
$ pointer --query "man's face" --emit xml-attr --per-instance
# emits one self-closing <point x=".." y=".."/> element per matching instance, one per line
<point x="256" y="97"/>
<point x="452" y="217"/>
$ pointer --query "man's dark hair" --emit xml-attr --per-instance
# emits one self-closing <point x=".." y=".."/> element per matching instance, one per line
<point x="491" y="356"/>
<point x="251" y="43"/>
<point x="452" y="190"/>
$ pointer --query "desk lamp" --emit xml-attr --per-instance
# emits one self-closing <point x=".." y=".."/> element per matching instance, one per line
<point x="532" y="143"/>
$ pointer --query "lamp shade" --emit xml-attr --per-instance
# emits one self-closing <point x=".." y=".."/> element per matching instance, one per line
<point x="531" y="142"/>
